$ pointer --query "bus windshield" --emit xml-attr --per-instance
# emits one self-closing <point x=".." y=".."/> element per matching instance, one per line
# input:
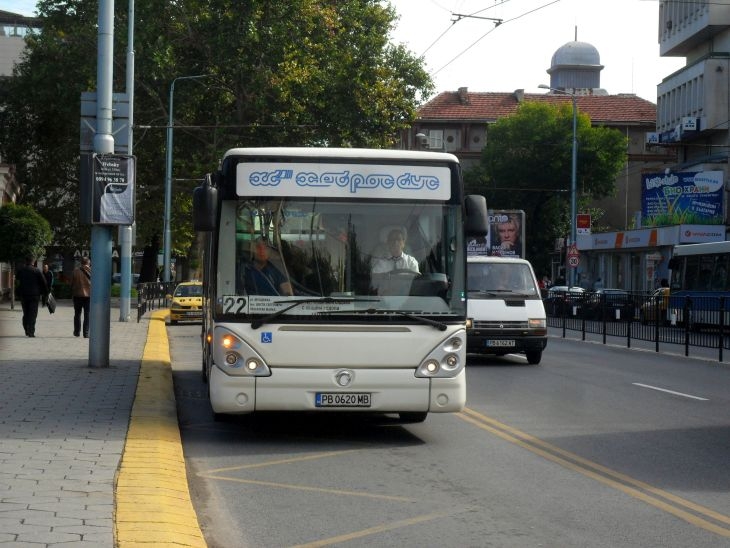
<point x="339" y="257"/>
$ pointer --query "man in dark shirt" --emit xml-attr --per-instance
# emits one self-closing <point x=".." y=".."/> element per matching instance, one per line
<point x="260" y="277"/>
<point x="31" y="285"/>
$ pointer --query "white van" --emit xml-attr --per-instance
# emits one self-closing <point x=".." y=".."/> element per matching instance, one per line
<point x="505" y="305"/>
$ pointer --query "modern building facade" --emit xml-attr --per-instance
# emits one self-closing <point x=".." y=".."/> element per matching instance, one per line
<point x="693" y="104"/>
<point x="693" y="113"/>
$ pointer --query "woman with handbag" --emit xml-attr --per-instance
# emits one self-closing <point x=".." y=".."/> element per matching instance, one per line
<point x="32" y="287"/>
<point x="81" y="293"/>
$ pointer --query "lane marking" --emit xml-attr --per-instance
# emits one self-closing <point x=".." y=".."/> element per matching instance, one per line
<point x="281" y="461"/>
<point x="650" y="387"/>
<point x="626" y="484"/>
<point x="309" y="488"/>
<point x="378" y="529"/>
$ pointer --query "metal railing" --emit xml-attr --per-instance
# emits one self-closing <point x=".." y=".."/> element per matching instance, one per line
<point x="152" y="295"/>
<point x="679" y="321"/>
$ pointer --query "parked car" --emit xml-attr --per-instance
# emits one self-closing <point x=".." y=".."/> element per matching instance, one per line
<point x="187" y="302"/>
<point x="609" y="304"/>
<point x="655" y="308"/>
<point x="562" y="299"/>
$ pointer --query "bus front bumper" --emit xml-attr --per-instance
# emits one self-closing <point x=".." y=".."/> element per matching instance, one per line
<point x="318" y="389"/>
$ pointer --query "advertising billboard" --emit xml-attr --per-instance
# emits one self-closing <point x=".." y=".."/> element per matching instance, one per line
<point x="694" y="198"/>
<point x="506" y="237"/>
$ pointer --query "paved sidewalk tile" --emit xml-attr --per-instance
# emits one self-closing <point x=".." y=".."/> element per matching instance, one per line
<point x="63" y="427"/>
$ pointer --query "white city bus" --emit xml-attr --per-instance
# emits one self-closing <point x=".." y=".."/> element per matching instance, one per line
<point x="306" y="307"/>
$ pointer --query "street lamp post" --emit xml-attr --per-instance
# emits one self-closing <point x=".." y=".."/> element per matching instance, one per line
<point x="167" y="240"/>
<point x="573" y="174"/>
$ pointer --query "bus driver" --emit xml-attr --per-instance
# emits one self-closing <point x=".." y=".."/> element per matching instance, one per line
<point x="398" y="259"/>
<point x="260" y="276"/>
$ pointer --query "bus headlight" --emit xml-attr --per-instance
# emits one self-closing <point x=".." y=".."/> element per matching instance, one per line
<point x="253" y="365"/>
<point x="431" y="366"/>
<point x="454" y="344"/>
<point x="235" y="357"/>
<point x="446" y="360"/>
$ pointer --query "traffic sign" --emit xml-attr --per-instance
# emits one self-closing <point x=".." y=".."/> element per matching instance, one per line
<point x="573" y="256"/>
<point x="583" y="223"/>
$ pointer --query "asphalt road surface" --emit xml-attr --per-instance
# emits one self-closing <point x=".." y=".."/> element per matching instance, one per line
<point x="596" y="446"/>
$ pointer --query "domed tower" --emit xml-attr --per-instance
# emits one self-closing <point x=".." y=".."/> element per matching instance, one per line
<point x="576" y="67"/>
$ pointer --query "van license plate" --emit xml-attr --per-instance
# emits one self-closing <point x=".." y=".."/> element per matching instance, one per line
<point x="500" y="342"/>
<point x="342" y="399"/>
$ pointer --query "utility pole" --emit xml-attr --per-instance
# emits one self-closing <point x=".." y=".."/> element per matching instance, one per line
<point x="125" y="231"/>
<point x="101" y="240"/>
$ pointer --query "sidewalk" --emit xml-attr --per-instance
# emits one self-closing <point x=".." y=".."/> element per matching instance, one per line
<point x="87" y="456"/>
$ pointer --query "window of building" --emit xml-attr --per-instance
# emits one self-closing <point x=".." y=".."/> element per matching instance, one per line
<point x="436" y="139"/>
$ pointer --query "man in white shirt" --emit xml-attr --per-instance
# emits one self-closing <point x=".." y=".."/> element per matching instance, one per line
<point x="397" y="259"/>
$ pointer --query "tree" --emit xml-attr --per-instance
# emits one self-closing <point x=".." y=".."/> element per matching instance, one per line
<point x="23" y="232"/>
<point x="301" y="72"/>
<point x="526" y="165"/>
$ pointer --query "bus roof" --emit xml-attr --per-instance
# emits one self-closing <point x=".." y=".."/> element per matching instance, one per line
<point x="344" y="153"/>
<point x="701" y="249"/>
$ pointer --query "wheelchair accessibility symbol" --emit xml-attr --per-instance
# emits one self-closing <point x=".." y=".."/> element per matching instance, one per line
<point x="266" y="337"/>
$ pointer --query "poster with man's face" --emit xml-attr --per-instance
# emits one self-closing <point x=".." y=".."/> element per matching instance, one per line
<point x="507" y="233"/>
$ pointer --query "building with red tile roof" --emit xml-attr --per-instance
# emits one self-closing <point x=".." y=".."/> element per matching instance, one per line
<point x="458" y="122"/>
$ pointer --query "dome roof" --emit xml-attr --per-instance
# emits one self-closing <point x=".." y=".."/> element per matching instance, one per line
<point x="576" y="54"/>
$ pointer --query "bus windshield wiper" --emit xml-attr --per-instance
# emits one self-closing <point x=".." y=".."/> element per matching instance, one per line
<point x="255" y="324"/>
<point x="428" y="321"/>
<point x="489" y="292"/>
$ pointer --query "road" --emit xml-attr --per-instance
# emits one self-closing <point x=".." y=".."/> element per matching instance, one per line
<point x="597" y="446"/>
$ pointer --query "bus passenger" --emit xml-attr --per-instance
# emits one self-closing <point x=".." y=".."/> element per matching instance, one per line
<point x="260" y="276"/>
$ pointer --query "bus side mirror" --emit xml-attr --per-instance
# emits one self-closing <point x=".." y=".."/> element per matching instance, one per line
<point x="205" y="206"/>
<point x="673" y="263"/>
<point x="477" y="221"/>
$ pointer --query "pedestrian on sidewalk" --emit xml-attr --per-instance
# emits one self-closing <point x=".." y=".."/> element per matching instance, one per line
<point x="81" y="293"/>
<point x="49" y="277"/>
<point x="32" y="286"/>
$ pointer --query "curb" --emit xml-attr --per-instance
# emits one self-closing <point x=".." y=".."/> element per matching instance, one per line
<point x="152" y="503"/>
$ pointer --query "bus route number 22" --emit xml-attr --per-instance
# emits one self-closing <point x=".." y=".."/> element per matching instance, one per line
<point x="233" y="304"/>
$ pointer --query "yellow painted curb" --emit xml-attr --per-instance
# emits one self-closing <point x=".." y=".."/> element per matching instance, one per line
<point x="152" y="503"/>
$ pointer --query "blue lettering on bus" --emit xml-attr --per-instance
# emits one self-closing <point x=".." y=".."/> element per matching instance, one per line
<point x="355" y="181"/>
<point x="417" y="182"/>
<point x="269" y="178"/>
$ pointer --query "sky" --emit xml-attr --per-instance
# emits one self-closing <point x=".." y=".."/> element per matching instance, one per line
<point x="476" y="53"/>
<point x="516" y="54"/>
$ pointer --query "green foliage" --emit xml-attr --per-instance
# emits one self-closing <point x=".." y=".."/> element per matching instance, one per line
<point x="297" y="73"/>
<point x="23" y="232"/>
<point x="116" y="291"/>
<point x="527" y="164"/>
